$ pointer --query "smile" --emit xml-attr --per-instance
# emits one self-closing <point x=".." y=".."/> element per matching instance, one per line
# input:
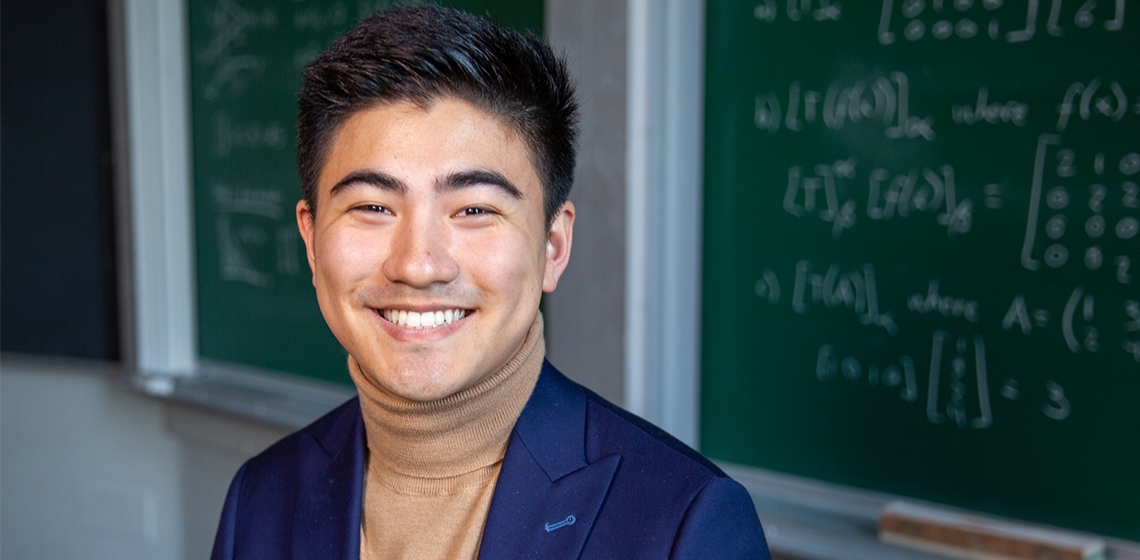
<point x="425" y="320"/>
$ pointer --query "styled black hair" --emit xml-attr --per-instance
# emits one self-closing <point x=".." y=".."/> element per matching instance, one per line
<point x="426" y="52"/>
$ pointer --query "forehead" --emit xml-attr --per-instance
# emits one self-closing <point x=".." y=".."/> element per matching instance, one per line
<point x="422" y="141"/>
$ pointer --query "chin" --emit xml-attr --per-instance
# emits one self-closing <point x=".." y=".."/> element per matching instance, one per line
<point x="421" y="382"/>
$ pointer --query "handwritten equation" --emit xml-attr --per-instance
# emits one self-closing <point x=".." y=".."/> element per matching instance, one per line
<point x="246" y="57"/>
<point x="883" y="101"/>
<point x="814" y="191"/>
<point x="1090" y="216"/>
<point x="958" y="385"/>
<point x="1011" y="21"/>
<point x="1000" y="20"/>
<point x="256" y="242"/>
<point x="958" y="389"/>
<point x="855" y="290"/>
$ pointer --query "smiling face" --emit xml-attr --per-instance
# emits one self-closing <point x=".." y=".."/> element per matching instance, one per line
<point x="428" y="247"/>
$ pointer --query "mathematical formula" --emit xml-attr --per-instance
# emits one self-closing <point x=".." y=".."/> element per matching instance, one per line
<point x="958" y="392"/>
<point x="814" y="191"/>
<point x="256" y="239"/>
<point x="883" y="101"/>
<point x="855" y="290"/>
<point x="1009" y="21"/>
<point x="1093" y="216"/>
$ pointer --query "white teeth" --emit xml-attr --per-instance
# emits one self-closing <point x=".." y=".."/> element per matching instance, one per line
<point x="425" y="320"/>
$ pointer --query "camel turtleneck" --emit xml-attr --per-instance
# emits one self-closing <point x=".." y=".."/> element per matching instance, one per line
<point x="432" y="466"/>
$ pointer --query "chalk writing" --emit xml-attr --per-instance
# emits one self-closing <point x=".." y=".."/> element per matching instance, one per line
<point x="842" y="216"/>
<point x="946" y="306"/>
<point x="1058" y="407"/>
<point x="250" y="234"/>
<point x="235" y="263"/>
<point x="908" y="193"/>
<point x="956" y="409"/>
<point x="1089" y="334"/>
<point x="243" y="199"/>
<point x="1085" y="16"/>
<point x="999" y="20"/>
<point x="799" y="10"/>
<point x="902" y="374"/>
<point x="958" y="385"/>
<point x="1095" y="100"/>
<point x="888" y="196"/>
<point x="1102" y="205"/>
<point x="229" y="22"/>
<point x="251" y="135"/>
<point x="229" y="73"/>
<point x="768" y="286"/>
<point x="320" y="18"/>
<point x="1018" y="314"/>
<point x="882" y="101"/>
<point x="1012" y="112"/>
<point x="1011" y="389"/>
<point x="1130" y="327"/>
<point x="854" y="290"/>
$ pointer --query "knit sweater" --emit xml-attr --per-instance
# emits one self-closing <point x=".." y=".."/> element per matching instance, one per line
<point x="432" y="466"/>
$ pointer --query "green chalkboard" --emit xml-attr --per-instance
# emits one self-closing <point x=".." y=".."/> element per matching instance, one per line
<point x="921" y="267"/>
<point x="256" y="304"/>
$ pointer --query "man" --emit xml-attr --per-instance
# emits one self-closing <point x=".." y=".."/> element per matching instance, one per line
<point x="436" y="152"/>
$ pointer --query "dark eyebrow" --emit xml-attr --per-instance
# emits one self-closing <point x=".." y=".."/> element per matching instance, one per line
<point x="370" y="178"/>
<point x="461" y="179"/>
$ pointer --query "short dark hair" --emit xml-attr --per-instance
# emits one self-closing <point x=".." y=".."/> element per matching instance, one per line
<point x="426" y="52"/>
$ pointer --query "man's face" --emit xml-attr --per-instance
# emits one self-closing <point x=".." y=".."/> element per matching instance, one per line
<point x="430" y="215"/>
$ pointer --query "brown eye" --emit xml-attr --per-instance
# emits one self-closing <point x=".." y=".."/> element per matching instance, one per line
<point x="374" y="208"/>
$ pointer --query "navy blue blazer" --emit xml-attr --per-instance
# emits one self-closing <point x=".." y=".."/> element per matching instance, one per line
<point x="581" y="479"/>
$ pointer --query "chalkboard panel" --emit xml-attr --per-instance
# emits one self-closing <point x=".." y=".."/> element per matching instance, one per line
<point x="921" y="261"/>
<point x="256" y="304"/>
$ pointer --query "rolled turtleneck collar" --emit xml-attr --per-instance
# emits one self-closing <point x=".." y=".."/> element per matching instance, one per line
<point x="438" y="447"/>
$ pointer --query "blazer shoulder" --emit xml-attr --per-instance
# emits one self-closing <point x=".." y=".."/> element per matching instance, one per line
<point x="666" y="500"/>
<point x="331" y="432"/>
<point x="313" y="474"/>
<point x="616" y="430"/>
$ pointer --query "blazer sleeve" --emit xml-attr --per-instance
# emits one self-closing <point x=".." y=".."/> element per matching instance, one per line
<point x="224" y="541"/>
<point x="721" y="522"/>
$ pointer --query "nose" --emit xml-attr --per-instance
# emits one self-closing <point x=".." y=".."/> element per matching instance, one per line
<point x="420" y="255"/>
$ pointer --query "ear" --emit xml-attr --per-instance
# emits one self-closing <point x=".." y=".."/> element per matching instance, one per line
<point x="558" y="241"/>
<point x="305" y="219"/>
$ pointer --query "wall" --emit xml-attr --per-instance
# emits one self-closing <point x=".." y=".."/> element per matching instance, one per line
<point x="90" y="470"/>
<point x="586" y="314"/>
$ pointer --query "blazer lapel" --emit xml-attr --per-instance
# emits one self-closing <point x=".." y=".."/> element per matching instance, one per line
<point x="326" y="521"/>
<point x="548" y="495"/>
